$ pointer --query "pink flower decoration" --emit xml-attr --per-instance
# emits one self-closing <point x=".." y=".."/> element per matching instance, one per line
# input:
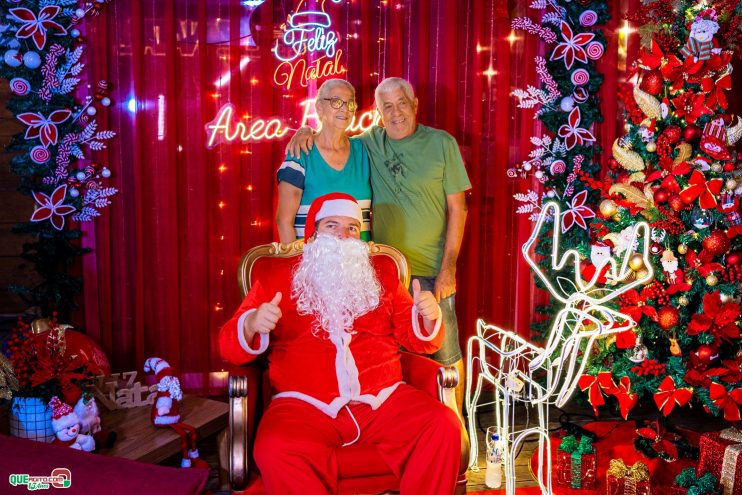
<point x="572" y="133"/>
<point x="36" y="27"/>
<point x="52" y="207"/>
<point x="44" y="128"/>
<point x="572" y="48"/>
<point x="577" y="213"/>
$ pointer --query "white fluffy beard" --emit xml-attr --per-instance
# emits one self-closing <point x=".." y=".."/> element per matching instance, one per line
<point x="336" y="283"/>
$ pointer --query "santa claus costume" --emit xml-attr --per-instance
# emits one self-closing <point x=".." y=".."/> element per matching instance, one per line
<point x="166" y="410"/>
<point x="335" y="388"/>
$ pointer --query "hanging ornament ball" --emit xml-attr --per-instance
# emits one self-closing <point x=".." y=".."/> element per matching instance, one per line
<point x="655" y="248"/>
<point x="730" y="184"/>
<point x="550" y="193"/>
<point x="683" y="248"/>
<point x="668" y="317"/>
<point x="527" y="167"/>
<point x="672" y="133"/>
<point x="717" y="243"/>
<point x="728" y="167"/>
<point x="608" y="207"/>
<point x="636" y="262"/>
<point x="691" y="133"/>
<point x="614" y="165"/>
<point x="105" y="101"/>
<point x="80" y="176"/>
<point x="733" y="258"/>
<point x="74" y="192"/>
<point x="91" y="110"/>
<point x="716" y="167"/>
<point x="639" y="353"/>
<point x="75" y="33"/>
<point x="105" y="172"/>
<point x="683" y="301"/>
<point x="706" y="354"/>
<point x="13" y="58"/>
<point x="652" y="82"/>
<point x="651" y="146"/>
<point x="712" y="280"/>
<point x="32" y="60"/>
<point x="676" y="202"/>
<point x="643" y="273"/>
<point x="539" y="174"/>
<point x="660" y="195"/>
<point x="567" y="104"/>
<point x="79" y="13"/>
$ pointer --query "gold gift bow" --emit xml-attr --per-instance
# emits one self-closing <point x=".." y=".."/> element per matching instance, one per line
<point x="638" y="472"/>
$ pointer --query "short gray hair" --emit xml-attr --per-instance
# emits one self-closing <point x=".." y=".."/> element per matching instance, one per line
<point x="324" y="90"/>
<point x="392" y="83"/>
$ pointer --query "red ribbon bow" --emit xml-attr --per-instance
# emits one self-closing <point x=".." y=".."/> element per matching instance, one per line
<point x="705" y="191"/>
<point x="667" y="396"/>
<point x="595" y="386"/>
<point x="726" y="401"/>
<point x="626" y="399"/>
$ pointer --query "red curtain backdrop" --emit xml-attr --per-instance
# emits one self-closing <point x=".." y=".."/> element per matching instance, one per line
<point x="161" y="279"/>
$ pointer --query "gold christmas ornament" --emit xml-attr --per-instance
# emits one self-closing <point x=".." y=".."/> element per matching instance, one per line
<point x="651" y="147"/>
<point x="712" y="280"/>
<point x="684" y="150"/>
<point x="642" y="273"/>
<point x="683" y="248"/>
<point x="716" y="167"/>
<point x="650" y="105"/>
<point x="734" y="132"/>
<point x="630" y="160"/>
<point x="683" y="301"/>
<point x="731" y="184"/>
<point x="636" y="263"/>
<point x="608" y="207"/>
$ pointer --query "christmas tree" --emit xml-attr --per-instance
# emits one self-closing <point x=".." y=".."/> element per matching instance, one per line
<point x="676" y="169"/>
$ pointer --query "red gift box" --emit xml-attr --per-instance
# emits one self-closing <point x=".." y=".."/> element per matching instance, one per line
<point x="567" y="474"/>
<point x="625" y="480"/>
<point x="720" y="456"/>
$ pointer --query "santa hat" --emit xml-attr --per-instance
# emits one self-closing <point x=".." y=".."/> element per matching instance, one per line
<point x="62" y="415"/>
<point x="159" y="367"/>
<point x="331" y="205"/>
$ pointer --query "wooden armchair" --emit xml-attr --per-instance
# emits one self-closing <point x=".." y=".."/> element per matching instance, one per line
<point x="360" y="467"/>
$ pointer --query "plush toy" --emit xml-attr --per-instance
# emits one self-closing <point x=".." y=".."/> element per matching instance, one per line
<point x="700" y="42"/>
<point x="66" y="427"/>
<point x="166" y="410"/>
<point x="87" y="411"/>
<point x="600" y="252"/>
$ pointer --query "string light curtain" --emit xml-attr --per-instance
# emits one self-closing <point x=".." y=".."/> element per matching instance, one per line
<point x="161" y="279"/>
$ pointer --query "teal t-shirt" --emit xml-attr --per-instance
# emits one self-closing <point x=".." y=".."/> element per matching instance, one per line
<point x="315" y="177"/>
<point x="411" y="179"/>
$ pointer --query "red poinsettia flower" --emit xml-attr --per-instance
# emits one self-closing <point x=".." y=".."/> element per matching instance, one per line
<point x="572" y="48"/>
<point x="717" y="318"/>
<point x="727" y="401"/>
<point x="715" y="90"/>
<point x="635" y="306"/>
<point x="36" y="27"/>
<point x="52" y="207"/>
<point x="730" y="371"/>
<point x="690" y="105"/>
<point x="662" y="441"/>
<point x="572" y="133"/>
<point x="670" y="65"/>
<point x="702" y="262"/>
<point x="42" y="127"/>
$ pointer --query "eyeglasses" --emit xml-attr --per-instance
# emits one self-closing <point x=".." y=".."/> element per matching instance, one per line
<point x="337" y="103"/>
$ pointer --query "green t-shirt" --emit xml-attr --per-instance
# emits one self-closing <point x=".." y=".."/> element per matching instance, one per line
<point x="410" y="179"/>
<point x="315" y="177"/>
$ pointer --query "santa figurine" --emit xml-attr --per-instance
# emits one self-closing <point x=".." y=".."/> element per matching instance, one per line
<point x="66" y="427"/>
<point x="700" y="42"/>
<point x="87" y="411"/>
<point x="600" y="253"/>
<point x="166" y="411"/>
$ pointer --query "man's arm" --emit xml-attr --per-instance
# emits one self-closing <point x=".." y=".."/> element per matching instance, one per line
<point x="407" y="316"/>
<point x="445" y="282"/>
<point x="303" y="140"/>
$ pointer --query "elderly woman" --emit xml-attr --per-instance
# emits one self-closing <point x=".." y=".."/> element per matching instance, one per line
<point x="336" y="163"/>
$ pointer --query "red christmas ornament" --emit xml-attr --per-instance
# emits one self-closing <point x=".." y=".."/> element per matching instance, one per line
<point x="652" y="82"/>
<point x="733" y="258"/>
<point x="655" y="248"/>
<point x="660" y="195"/>
<point x="728" y="167"/>
<point x="668" y="317"/>
<point x="614" y="165"/>
<point x="691" y="133"/>
<point x="676" y="202"/>
<point x="717" y="243"/>
<point x="672" y="134"/>
<point x="706" y="354"/>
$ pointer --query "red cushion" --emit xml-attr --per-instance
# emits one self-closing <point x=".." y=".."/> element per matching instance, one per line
<point x="94" y="473"/>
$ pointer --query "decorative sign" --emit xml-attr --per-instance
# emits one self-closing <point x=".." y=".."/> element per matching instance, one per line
<point x="307" y="49"/>
<point x="120" y="391"/>
<point x="225" y="129"/>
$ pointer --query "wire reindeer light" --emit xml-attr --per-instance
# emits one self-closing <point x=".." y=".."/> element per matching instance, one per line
<point x="515" y="362"/>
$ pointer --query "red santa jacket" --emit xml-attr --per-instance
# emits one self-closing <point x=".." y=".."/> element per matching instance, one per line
<point x="329" y="372"/>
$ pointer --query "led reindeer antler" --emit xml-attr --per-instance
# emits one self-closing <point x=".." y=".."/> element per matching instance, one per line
<point x="583" y="318"/>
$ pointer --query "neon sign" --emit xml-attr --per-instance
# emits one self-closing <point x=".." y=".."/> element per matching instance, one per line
<point x="307" y="48"/>
<point x="225" y="129"/>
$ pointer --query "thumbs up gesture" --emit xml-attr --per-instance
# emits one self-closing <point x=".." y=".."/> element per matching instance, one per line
<point x="264" y="319"/>
<point x="425" y="302"/>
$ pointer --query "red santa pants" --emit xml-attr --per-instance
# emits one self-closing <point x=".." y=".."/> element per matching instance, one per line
<point x="418" y="437"/>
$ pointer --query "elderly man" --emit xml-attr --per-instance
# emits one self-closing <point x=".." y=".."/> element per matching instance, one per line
<point x="334" y="321"/>
<point x="418" y="182"/>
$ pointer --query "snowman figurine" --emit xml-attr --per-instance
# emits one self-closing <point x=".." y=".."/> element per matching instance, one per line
<point x="700" y="42"/>
<point x="66" y="425"/>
